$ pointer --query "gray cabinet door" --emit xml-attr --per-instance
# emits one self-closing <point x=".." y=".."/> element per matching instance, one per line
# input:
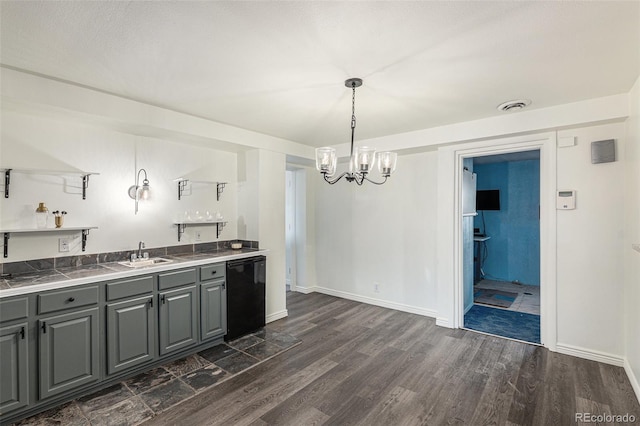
<point x="130" y="333"/>
<point x="69" y="351"/>
<point x="178" y="324"/>
<point x="213" y="309"/>
<point x="14" y="367"/>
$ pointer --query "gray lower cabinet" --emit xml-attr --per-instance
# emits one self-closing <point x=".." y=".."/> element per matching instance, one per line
<point x="69" y="351"/>
<point x="130" y="333"/>
<point x="54" y="342"/>
<point x="178" y="321"/>
<point x="213" y="309"/>
<point x="14" y="367"/>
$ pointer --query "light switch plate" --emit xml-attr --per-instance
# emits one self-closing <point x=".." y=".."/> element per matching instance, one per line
<point x="63" y="245"/>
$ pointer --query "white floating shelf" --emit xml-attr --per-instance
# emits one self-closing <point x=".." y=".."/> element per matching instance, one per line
<point x="7" y="232"/>
<point x="218" y="223"/>
<point x="48" y="172"/>
<point x="84" y="175"/>
<point x="68" y="228"/>
<point x="182" y="183"/>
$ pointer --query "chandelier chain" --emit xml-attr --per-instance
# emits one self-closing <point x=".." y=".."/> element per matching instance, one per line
<point x="353" y="106"/>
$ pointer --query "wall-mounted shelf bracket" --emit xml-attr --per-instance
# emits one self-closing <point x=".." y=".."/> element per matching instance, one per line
<point x="6" y="244"/>
<point x="219" y="227"/>
<point x="7" y="180"/>
<point x="85" y="185"/>
<point x="181" y="228"/>
<point x="85" y="234"/>
<point x="182" y="184"/>
<point x="220" y="187"/>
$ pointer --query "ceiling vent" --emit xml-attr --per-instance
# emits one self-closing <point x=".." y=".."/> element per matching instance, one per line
<point x="515" y="105"/>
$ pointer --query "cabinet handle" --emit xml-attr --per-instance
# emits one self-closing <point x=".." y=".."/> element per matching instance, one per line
<point x="162" y="299"/>
<point x="151" y="303"/>
<point x="44" y="327"/>
<point x="224" y="286"/>
<point x="71" y="299"/>
<point x="213" y="272"/>
<point x="22" y="333"/>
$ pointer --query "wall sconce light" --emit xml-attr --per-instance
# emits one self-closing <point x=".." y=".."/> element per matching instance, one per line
<point x="138" y="192"/>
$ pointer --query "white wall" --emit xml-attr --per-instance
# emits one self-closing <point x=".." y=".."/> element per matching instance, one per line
<point x="380" y="234"/>
<point x="590" y="245"/>
<point x="271" y="232"/>
<point x="632" y="236"/>
<point x="33" y="141"/>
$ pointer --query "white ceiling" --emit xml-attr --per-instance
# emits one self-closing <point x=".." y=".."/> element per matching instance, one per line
<point x="279" y="67"/>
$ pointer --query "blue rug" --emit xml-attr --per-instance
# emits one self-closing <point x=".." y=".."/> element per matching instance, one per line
<point x="515" y="325"/>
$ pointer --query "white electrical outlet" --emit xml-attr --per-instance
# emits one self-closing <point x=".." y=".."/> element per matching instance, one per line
<point x="198" y="236"/>
<point x="63" y="245"/>
<point x="376" y="287"/>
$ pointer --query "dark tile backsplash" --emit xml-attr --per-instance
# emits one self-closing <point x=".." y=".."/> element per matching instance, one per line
<point x="205" y="247"/>
<point x="35" y="265"/>
<point x="185" y="249"/>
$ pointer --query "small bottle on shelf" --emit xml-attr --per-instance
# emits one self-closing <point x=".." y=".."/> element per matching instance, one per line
<point x="42" y="216"/>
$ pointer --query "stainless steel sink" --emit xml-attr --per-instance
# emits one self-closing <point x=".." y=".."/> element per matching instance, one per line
<point x="141" y="263"/>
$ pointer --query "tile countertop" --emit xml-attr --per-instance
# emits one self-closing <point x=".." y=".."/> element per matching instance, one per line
<point x="34" y="282"/>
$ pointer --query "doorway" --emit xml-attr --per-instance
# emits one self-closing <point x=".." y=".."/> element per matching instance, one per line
<point x="450" y="233"/>
<point x="501" y="275"/>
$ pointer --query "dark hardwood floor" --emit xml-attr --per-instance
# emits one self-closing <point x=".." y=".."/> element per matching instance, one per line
<point x="366" y="365"/>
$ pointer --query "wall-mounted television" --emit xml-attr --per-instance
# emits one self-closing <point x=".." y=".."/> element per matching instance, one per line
<point x="488" y="199"/>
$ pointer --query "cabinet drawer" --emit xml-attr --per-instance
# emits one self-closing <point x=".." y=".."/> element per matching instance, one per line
<point x="210" y="272"/>
<point x="66" y="299"/>
<point x="176" y="279"/>
<point x="14" y="309"/>
<point x="128" y="288"/>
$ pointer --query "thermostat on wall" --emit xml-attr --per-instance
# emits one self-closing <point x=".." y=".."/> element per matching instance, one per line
<point x="566" y="200"/>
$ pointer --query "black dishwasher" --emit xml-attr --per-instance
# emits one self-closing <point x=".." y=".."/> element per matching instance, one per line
<point x="245" y="296"/>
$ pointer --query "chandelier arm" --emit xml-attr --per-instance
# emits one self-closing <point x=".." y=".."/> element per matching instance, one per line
<point x="331" y="182"/>
<point x="374" y="182"/>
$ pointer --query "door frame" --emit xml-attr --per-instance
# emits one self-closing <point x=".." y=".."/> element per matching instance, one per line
<point x="291" y="231"/>
<point x="450" y="167"/>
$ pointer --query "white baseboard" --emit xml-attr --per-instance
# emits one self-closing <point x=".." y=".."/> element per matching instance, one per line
<point x="372" y="301"/>
<point x="635" y="384"/>
<point x="443" y="322"/>
<point x="277" y="315"/>
<point x="590" y="354"/>
<point x="305" y="290"/>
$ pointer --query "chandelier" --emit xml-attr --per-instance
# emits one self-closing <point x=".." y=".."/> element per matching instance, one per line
<point x="362" y="160"/>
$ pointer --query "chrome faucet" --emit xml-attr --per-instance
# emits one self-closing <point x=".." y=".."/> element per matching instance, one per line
<point x="140" y="247"/>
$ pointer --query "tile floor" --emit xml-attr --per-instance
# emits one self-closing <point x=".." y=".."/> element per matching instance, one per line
<point x="138" y="399"/>
<point x="528" y="300"/>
